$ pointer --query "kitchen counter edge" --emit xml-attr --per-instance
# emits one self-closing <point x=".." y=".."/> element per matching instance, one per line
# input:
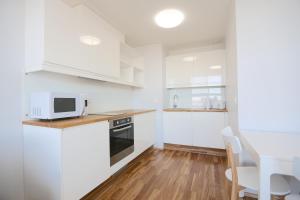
<point x="67" y="123"/>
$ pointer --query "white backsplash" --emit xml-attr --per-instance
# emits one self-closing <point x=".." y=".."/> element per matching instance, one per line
<point x="102" y="96"/>
<point x="197" y="97"/>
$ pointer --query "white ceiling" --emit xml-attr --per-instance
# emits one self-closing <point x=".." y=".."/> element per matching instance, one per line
<point x="205" y="21"/>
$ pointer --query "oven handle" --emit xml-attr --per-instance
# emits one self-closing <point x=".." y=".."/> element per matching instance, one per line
<point x="122" y="129"/>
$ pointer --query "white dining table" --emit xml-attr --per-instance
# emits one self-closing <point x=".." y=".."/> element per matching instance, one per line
<point x="273" y="153"/>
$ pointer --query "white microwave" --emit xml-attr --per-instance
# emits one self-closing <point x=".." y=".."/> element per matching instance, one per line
<point x="51" y="105"/>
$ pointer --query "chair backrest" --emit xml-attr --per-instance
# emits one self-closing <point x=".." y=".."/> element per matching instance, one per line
<point x="231" y="163"/>
<point x="227" y="131"/>
<point x="235" y="143"/>
<point x="297" y="167"/>
<point x="226" y="134"/>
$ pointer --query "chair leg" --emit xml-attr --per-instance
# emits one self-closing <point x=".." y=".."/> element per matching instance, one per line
<point x="228" y="188"/>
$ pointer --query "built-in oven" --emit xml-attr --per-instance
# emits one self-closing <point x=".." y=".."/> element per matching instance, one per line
<point x="121" y="138"/>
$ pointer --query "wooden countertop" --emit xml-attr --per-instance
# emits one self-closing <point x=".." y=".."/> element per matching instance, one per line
<point x="193" y="110"/>
<point x="66" y="123"/>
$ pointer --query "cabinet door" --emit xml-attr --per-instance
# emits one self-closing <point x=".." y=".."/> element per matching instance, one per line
<point x="194" y="69"/>
<point x="209" y="68"/>
<point x="144" y="131"/>
<point x="103" y="58"/>
<point x="207" y="128"/>
<point x="178" y="71"/>
<point x="177" y="128"/>
<point x="69" y="37"/>
<point x="85" y="157"/>
<point x="42" y="162"/>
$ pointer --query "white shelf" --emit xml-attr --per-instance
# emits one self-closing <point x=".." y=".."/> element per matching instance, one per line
<point x="139" y="76"/>
<point x="132" y="66"/>
<point x="194" y="86"/>
<point x="126" y="74"/>
<point x="138" y="69"/>
<point x="138" y="63"/>
<point x="131" y="75"/>
<point x="123" y="82"/>
<point x="126" y="61"/>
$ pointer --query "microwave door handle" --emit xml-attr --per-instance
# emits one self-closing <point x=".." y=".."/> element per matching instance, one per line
<point x="122" y="129"/>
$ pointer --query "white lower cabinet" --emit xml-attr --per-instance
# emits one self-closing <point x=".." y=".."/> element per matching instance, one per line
<point x="177" y="128"/>
<point x="207" y="128"/>
<point x="144" y="131"/>
<point x="85" y="159"/>
<point x="65" y="163"/>
<point x="201" y="129"/>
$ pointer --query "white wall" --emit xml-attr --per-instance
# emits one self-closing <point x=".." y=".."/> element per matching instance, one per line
<point x="231" y="71"/>
<point x="153" y="94"/>
<point x="11" y="67"/>
<point x="268" y="46"/>
<point x="102" y="96"/>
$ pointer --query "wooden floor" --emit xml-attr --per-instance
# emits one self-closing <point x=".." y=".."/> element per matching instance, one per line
<point x="167" y="175"/>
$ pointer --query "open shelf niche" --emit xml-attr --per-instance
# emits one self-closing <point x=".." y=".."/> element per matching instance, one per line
<point x="132" y="66"/>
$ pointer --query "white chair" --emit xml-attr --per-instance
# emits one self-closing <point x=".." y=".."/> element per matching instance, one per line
<point x="243" y="157"/>
<point x="227" y="131"/>
<point x="248" y="177"/>
<point x="227" y="134"/>
<point x="297" y="175"/>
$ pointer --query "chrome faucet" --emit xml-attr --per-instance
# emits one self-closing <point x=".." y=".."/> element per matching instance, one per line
<point x="175" y="101"/>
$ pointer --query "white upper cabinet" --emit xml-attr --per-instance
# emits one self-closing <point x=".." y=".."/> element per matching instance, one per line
<point x="196" y="69"/>
<point x="70" y="40"/>
<point x="178" y="71"/>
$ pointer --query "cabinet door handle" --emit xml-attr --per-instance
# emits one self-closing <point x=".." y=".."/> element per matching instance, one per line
<point x="122" y="129"/>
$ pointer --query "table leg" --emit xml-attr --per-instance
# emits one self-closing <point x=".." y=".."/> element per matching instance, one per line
<point x="264" y="181"/>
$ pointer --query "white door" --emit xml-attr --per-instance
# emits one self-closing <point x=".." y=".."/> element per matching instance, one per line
<point x="85" y="158"/>
<point x="144" y="131"/>
<point x="177" y="128"/>
<point x="207" y="128"/>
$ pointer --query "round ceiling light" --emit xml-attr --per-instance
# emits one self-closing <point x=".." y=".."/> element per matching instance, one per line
<point x="169" y="18"/>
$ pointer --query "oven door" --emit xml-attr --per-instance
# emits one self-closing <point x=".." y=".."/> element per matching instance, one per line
<point x="121" y="142"/>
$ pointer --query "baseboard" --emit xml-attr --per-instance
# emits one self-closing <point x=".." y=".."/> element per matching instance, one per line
<point x="193" y="149"/>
